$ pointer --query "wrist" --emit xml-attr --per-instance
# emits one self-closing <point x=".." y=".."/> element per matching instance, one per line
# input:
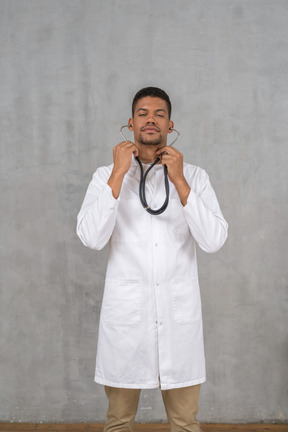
<point x="115" y="182"/>
<point x="118" y="173"/>
<point x="183" y="190"/>
<point x="180" y="182"/>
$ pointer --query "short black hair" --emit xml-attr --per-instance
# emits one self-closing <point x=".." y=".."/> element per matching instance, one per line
<point x="152" y="92"/>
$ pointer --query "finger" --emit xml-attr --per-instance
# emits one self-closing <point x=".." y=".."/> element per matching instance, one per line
<point x="161" y="150"/>
<point x="126" y="144"/>
<point x="129" y="145"/>
<point x="167" y="160"/>
<point x="168" y="150"/>
<point x="168" y="157"/>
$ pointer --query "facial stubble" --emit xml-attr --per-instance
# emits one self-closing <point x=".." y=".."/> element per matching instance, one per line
<point x="144" y="141"/>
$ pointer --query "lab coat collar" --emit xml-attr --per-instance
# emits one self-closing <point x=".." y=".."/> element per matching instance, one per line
<point x="135" y="169"/>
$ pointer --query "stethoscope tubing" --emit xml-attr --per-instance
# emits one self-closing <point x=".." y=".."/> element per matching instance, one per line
<point x="142" y="193"/>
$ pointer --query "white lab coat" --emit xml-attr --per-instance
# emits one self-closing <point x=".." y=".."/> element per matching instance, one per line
<point x="150" y="331"/>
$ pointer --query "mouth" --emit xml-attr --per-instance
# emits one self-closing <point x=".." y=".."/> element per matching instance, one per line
<point x="150" y="129"/>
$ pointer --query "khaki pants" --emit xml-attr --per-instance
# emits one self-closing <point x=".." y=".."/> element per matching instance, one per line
<point x="181" y="407"/>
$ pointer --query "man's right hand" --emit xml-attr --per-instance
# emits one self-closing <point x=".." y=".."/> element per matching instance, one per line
<point x="122" y="156"/>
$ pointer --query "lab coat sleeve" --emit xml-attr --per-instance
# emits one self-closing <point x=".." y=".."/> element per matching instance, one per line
<point x="204" y="217"/>
<point x="96" y="219"/>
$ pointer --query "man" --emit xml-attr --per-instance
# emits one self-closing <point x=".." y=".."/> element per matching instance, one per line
<point x="150" y="332"/>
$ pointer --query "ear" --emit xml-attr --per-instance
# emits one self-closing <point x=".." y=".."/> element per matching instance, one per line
<point x="130" y="124"/>
<point x="171" y="126"/>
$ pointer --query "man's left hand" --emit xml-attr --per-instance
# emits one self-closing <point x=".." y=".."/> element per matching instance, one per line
<point x="173" y="159"/>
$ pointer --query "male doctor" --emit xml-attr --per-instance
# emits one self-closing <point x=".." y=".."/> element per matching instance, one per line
<point x="150" y="332"/>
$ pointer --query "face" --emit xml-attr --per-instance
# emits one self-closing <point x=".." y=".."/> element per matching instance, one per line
<point x="151" y="122"/>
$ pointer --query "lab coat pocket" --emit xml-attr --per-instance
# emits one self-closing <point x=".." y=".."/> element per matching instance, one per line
<point x="122" y="302"/>
<point x="186" y="301"/>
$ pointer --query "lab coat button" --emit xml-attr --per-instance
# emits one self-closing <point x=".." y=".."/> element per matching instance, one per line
<point x="157" y="283"/>
<point x="156" y="244"/>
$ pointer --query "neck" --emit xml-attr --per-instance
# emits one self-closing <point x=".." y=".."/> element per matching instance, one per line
<point x="147" y="154"/>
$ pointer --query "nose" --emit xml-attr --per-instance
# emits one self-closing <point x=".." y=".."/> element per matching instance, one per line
<point x="151" y="120"/>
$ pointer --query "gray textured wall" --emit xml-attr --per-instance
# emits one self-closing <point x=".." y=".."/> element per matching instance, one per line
<point x="68" y="72"/>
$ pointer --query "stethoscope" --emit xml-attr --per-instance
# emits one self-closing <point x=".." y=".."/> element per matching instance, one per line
<point x="143" y="177"/>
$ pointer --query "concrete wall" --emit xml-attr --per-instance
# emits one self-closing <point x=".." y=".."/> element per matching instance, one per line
<point x="69" y="69"/>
